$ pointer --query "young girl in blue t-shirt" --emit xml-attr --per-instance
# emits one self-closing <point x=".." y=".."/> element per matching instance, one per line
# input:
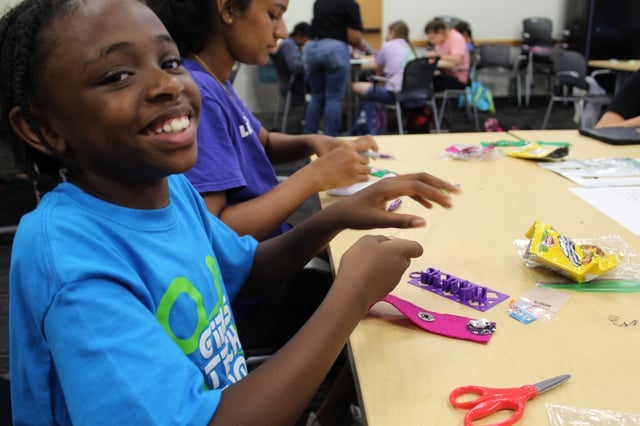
<point x="121" y="280"/>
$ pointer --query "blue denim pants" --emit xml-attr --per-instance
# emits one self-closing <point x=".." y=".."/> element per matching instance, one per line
<point x="327" y="67"/>
<point x="365" y="122"/>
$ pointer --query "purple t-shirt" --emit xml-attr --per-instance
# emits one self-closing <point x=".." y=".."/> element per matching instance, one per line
<point x="392" y="57"/>
<point x="230" y="155"/>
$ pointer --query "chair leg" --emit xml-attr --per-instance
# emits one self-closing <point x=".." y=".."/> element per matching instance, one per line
<point x="548" y="113"/>
<point x="443" y="106"/>
<point x="285" y="114"/>
<point x="436" y="119"/>
<point x="399" y="119"/>
<point x="519" y="89"/>
<point x="475" y="117"/>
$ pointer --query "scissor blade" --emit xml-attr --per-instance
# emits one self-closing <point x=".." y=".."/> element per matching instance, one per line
<point x="545" y="385"/>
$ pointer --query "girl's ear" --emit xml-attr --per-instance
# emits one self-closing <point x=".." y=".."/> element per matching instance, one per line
<point x="21" y="128"/>
<point x="226" y="10"/>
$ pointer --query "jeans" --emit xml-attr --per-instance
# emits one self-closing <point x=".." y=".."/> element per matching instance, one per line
<point x="365" y="122"/>
<point x="327" y="67"/>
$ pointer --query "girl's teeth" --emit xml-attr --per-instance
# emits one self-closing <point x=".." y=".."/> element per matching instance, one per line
<point x="175" y="125"/>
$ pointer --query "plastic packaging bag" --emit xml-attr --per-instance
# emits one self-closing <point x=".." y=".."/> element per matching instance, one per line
<point x="560" y="415"/>
<point x="580" y="262"/>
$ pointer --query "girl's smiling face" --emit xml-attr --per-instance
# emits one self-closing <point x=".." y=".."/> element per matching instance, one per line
<point x="115" y="98"/>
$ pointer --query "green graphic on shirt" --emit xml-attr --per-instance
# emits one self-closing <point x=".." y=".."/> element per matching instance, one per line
<point x="179" y="286"/>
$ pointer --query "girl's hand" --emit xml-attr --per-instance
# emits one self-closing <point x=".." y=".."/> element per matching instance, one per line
<point x="322" y="145"/>
<point x="368" y="208"/>
<point x="374" y="265"/>
<point x="343" y="166"/>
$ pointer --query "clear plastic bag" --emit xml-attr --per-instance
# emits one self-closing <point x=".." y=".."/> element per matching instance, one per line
<point x="623" y="278"/>
<point x="560" y="415"/>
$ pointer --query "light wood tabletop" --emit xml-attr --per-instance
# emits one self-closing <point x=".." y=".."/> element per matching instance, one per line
<point x="627" y="65"/>
<point x="404" y="375"/>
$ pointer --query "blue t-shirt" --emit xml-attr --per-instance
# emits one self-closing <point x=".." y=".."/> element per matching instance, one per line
<point x="122" y="316"/>
<point x="231" y="158"/>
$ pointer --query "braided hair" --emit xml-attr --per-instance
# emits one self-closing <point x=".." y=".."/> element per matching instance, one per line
<point x="24" y="49"/>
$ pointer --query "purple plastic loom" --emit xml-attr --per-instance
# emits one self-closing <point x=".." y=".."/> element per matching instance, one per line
<point x="453" y="288"/>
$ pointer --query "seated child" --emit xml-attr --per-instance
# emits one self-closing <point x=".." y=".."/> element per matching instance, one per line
<point x="121" y="280"/>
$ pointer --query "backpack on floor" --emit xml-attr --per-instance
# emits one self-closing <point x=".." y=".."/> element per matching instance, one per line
<point x="370" y="120"/>
<point x="419" y="120"/>
<point x="479" y="95"/>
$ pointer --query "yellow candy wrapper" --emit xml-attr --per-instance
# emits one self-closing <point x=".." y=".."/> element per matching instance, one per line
<point x="579" y="262"/>
<point x="536" y="151"/>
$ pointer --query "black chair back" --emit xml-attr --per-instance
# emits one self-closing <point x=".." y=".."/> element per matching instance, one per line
<point x="285" y="77"/>
<point x="570" y="68"/>
<point x="417" y="82"/>
<point x="493" y="55"/>
<point x="537" y="31"/>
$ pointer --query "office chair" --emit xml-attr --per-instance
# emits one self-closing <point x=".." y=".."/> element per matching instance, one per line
<point x="453" y="94"/>
<point x="537" y="44"/>
<point x="495" y="59"/>
<point x="17" y="193"/>
<point x="416" y="90"/>
<point x="285" y="89"/>
<point x="570" y="72"/>
<point x="450" y="21"/>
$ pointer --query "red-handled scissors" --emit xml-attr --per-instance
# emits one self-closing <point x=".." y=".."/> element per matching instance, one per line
<point x="492" y="400"/>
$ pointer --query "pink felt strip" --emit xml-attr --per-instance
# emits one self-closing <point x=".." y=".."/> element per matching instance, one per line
<point x="444" y="324"/>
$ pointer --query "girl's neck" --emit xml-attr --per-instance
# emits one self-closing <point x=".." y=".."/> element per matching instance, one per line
<point x="217" y="62"/>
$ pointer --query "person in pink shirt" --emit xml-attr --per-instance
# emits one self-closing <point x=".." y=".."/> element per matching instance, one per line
<point x="452" y="48"/>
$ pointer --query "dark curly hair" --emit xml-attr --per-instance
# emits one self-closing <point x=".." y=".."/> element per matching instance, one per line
<point x="25" y="44"/>
<point x="190" y="22"/>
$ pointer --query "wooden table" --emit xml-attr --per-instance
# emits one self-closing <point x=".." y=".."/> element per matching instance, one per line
<point x="404" y="375"/>
<point x="630" y="65"/>
<point x="621" y="68"/>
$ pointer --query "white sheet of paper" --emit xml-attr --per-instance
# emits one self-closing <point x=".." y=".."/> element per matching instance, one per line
<point x="351" y="189"/>
<point x="620" y="203"/>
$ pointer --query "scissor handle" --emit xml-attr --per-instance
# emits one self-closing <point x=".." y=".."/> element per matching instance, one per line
<point x="492" y="400"/>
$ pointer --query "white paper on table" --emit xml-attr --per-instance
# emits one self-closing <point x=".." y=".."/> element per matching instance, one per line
<point x="598" y="172"/>
<point x="351" y="189"/>
<point x="620" y="203"/>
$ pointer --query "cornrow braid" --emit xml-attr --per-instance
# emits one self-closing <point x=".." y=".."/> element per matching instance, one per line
<point x="24" y="47"/>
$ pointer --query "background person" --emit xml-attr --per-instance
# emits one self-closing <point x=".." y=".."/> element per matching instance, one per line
<point x="291" y="51"/>
<point x="391" y="59"/>
<point x="464" y="28"/>
<point x="451" y="47"/>
<point x="624" y="111"/>
<point x="336" y="24"/>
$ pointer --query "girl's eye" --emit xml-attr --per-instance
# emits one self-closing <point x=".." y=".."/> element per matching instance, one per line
<point x="172" y="63"/>
<point x="275" y="16"/>
<point x="116" y="77"/>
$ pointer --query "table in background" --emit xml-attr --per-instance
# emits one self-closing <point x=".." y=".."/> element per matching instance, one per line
<point x="404" y="375"/>
<point x="621" y="68"/>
